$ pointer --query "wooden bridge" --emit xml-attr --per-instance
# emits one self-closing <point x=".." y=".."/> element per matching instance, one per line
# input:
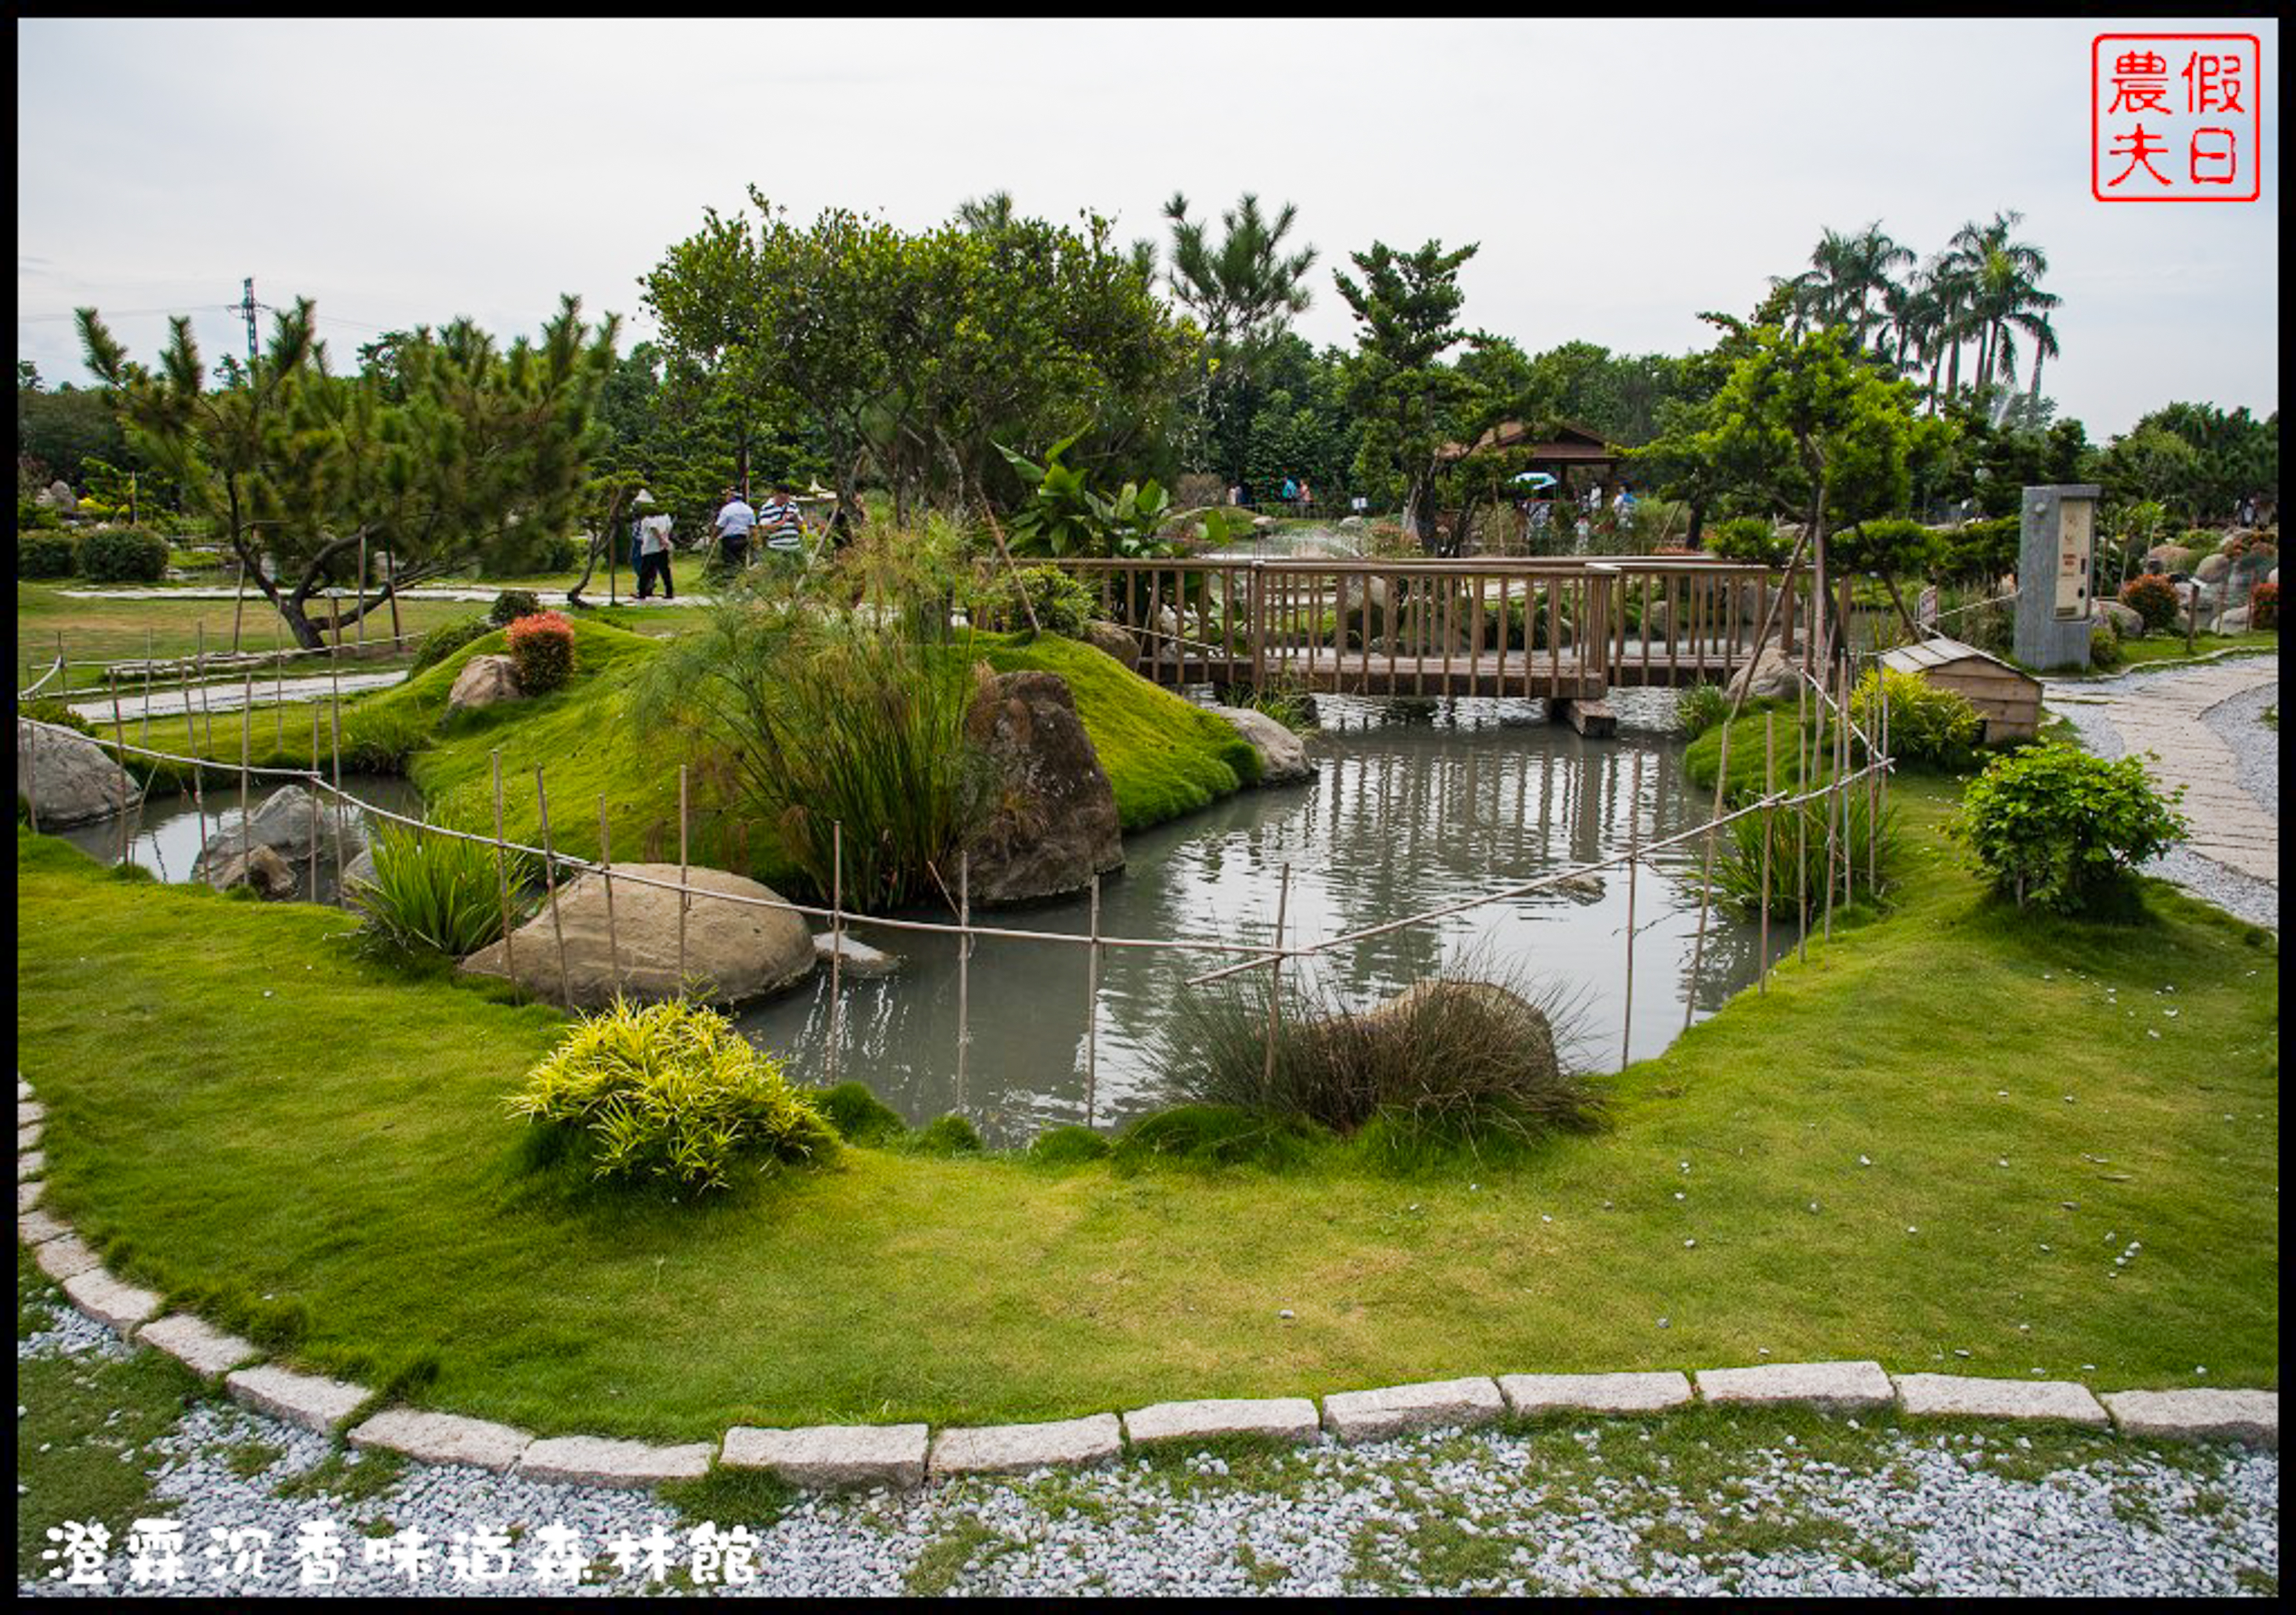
<point x="1567" y="630"/>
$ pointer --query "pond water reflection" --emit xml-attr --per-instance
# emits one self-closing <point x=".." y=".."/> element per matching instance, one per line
<point x="1417" y="803"/>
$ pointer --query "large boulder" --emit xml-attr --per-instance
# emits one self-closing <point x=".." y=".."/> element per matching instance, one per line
<point x="733" y="950"/>
<point x="1365" y="600"/>
<point x="484" y="681"/>
<point x="67" y="777"/>
<point x="1052" y="823"/>
<point x="287" y="823"/>
<point x="2233" y="622"/>
<point x="2212" y="567"/>
<point x="2169" y="559"/>
<point x="1769" y="676"/>
<point x="2127" y="619"/>
<point x="58" y="496"/>
<point x="257" y="867"/>
<point x="1115" y="639"/>
<point x="1282" y="754"/>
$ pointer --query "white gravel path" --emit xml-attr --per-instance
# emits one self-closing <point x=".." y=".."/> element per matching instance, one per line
<point x="1960" y="1512"/>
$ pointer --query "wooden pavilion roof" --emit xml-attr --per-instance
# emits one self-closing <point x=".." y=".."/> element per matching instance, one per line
<point x="1571" y="446"/>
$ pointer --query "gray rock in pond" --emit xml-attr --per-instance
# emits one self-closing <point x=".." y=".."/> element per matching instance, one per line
<point x="359" y="871"/>
<point x="258" y="867"/>
<point x="484" y="681"/>
<point x="1581" y="888"/>
<point x="1282" y="754"/>
<point x="288" y="824"/>
<point x="859" y="958"/>
<point x="1053" y="825"/>
<point x="733" y="950"/>
<point x="1115" y="639"/>
<point x="67" y="778"/>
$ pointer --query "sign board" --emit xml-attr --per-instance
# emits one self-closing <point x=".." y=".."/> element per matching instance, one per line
<point x="2075" y="519"/>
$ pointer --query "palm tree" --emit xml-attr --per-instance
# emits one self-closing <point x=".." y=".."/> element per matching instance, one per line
<point x="1998" y="282"/>
<point x="1846" y="273"/>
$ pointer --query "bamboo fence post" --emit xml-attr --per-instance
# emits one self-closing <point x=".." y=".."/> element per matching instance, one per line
<point x="63" y="666"/>
<point x="29" y="742"/>
<point x="1832" y="741"/>
<point x="606" y="873"/>
<point x="199" y="676"/>
<point x="361" y="650"/>
<point x="836" y="938"/>
<point x="1633" y="835"/>
<point x="390" y="591"/>
<point x="550" y="882"/>
<point x="148" y="643"/>
<point x="191" y="724"/>
<point x="1092" y="1008"/>
<point x="238" y="609"/>
<point x="502" y="858"/>
<point x="1769" y="827"/>
<point x="314" y="792"/>
<point x="685" y="896"/>
<point x="335" y="807"/>
<point x="246" y="832"/>
<point x="1275" y="985"/>
<point x="1801" y="815"/>
<point x="278" y="688"/>
<point x="120" y="742"/>
<point x="963" y="965"/>
<point x="1706" y="878"/>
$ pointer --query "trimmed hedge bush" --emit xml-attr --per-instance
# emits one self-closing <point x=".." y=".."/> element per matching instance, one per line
<point x="2264" y="606"/>
<point x="122" y="555"/>
<point x="1895" y="547"/>
<point x="1064" y="605"/>
<point x="2152" y="597"/>
<point x="1749" y="538"/>
<point x="542" y="649"/>
<point x="671" y="1090"/>
<point x="1984" y="549"/>
<point x="444" y="640"/>
<point x="513" y="603"/>
<point x="2057" y="827"/>
<point x="45" y="553"/>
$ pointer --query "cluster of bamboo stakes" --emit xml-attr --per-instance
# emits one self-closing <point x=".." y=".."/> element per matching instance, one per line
<point x="1835" y="738"/>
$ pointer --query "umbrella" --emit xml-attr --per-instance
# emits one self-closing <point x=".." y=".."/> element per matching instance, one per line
<point x="1536" y="478"/>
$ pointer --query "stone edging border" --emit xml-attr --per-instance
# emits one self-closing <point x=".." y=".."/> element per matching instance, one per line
<point x="907" y="1455"/>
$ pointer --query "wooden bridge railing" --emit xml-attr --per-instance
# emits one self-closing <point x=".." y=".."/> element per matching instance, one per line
<point x="1486" y="625"/>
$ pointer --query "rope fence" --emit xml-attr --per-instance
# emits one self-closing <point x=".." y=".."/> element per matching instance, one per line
<point x="1834" y="791"/>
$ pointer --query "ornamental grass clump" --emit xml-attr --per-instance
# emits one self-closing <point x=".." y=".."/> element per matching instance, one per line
<point x="2058" y="829"/>
<point x="437" y="893"/>
<point x="1800" y="861"/>
<point x="1699" y="707"/>
<point x="671" y="1092"/>
<point x="1929" y="725"/>
<point x="1454" y="1060"/>
<point x="542" y="649"/>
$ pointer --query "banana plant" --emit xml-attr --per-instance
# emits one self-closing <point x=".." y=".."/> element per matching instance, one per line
<point x="1061" y="517"/>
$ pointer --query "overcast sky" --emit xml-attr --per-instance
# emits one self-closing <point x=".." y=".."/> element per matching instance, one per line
<point x="1619" y="177"/>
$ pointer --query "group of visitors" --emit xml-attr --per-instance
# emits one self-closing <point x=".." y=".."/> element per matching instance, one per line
<point x="779" y="518"/>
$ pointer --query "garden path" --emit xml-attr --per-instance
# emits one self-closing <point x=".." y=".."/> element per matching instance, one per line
<point x="2168" y="717"/>
<point x="230" y="697"/>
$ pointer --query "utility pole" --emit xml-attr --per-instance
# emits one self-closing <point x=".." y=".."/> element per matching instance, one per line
<point x="247" y="309"/>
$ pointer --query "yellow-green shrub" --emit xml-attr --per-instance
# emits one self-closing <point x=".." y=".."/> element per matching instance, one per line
<point x="672" y="1090"/>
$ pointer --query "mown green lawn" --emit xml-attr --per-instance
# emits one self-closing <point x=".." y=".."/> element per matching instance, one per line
<point x="252" y="1117"/>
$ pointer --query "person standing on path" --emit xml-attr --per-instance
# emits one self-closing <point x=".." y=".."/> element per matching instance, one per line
<point x="734" y="523"/>
<point x="784" y="521"/>
<point x="653" y="554"/>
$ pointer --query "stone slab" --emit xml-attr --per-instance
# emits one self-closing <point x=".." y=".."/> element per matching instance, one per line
<point x="310" y="1400"/>
<point x="594" y="1460"/>
<point x="31" y="1164"/>
<point x="37" y="1227"/>
<point x="1958" y="1395"/>
<point x="2201" y="1414"/>
<point x="1642" y="1393"/>
<point x="1279" y="1418"/>
<point x="832" y="1454"/>
<point x="27" y="1138"/>
<point x="1829" y="1385"/>
<point x="1006" y="1449"/>
<point x="23" y="1089"/>
<point x="443" y="1438"/>
<point x="29" y="1111"/>
<point x="207" y="1352"/>
<point x="108" y="1301"/>
<point x="1366" y="1415"/>
<point x="28" y="1193"/>
<point x="859" y="958"/>
<point x="61" y="1257"/>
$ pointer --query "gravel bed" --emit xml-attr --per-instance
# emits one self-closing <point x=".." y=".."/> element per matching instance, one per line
<point x="2239" y="723"/>
<point x="1440" y="1510"/>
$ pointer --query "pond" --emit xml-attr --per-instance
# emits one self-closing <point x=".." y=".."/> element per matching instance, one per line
<point x="168" y="831"/>
<point x="1417" y="805"/>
